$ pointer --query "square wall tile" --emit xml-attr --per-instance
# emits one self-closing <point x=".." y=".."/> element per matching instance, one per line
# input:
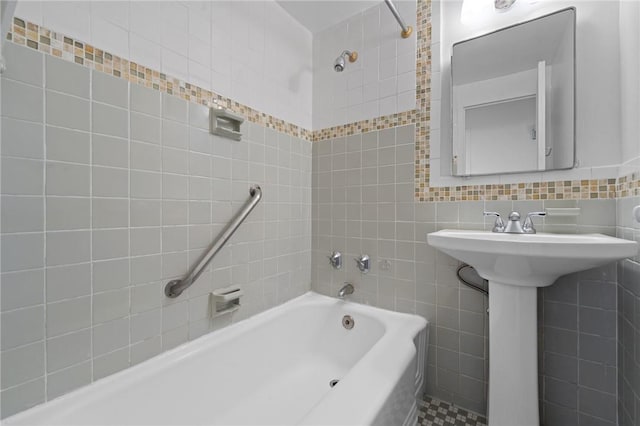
<point x="67" y="111"/>
<point x="109" y="90"/>
<point x="22" y="289"/>
<point x="66" y="77"/>
<point x="22" y="251"/>
<point x="18" y="100"/>
<point x="22" y="139"/>
<point x="22" y="326"/>
<point x="22" y="364"/>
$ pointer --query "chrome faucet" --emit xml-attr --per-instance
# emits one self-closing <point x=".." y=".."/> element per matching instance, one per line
<point x="498" y="226"/>
<point x="527" y="226"/>
<point x="363" y="263"/>
<point x="336" y="260"/>
<point x="346" y="290"/>
<point x="514" y="226"/>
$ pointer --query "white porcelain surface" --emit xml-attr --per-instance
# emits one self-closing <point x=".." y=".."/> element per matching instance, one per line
<point x="530" y="259"/>
<point x="274" y="368"/>
<point x="515" y="264"/>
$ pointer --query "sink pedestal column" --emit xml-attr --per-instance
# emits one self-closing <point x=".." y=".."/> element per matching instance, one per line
<point x="513" y="355"/>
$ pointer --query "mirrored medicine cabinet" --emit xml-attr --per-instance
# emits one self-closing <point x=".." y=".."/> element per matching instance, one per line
<point x="513" y="98"/>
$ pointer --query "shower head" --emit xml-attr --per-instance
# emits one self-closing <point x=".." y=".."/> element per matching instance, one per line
<point x="340" y="63"/>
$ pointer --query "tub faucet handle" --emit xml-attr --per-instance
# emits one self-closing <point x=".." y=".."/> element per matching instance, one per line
<point x="335" y="260"/>
<point x="364" y="263"/>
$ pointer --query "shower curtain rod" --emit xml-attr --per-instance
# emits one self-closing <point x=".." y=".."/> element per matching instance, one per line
<point x="406" y="30"/>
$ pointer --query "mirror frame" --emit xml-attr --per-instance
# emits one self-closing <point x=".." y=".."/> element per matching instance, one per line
<point x="575" y="94"/>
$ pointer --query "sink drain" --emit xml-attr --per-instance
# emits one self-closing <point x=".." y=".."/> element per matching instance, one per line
<point x="333" y="382"/>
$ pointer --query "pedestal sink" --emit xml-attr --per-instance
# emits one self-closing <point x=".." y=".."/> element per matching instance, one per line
<point x="515" y="264"/>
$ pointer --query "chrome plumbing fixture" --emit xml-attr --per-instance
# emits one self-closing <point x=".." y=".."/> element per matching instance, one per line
<point x="527" y="226"/>
<point x="514" y="226"/>
<point x="174" y="288"/>
<point x="346" y="290"/>
<point x="340" y="62"/>
<point x="335" y="260"/>
<point x="364" y="263"/>
<point x="498" y="226"/>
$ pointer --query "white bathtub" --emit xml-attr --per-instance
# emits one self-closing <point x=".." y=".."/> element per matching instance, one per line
<point x="272" y="369"/>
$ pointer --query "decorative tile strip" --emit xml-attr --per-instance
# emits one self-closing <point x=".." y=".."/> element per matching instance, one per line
<point x="560" y="190"/>
<point x="423" y="100"/>
<point x="56" y="44"/>
<point x="629" y="185"/>
<point x="364" y="126"/>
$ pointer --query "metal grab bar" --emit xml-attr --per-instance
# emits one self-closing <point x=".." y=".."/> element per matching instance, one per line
<point x="175" y="288"/>
<point x="406" y="30"/>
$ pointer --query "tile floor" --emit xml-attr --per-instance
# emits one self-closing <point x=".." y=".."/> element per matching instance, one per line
<point x="432" y="412"/>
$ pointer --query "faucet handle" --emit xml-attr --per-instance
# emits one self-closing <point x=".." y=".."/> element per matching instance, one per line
<point x="363" y="263"/>
<point x="527" y="226"/>
<point x="498" y="226"/>
<point x="335" y="259"/>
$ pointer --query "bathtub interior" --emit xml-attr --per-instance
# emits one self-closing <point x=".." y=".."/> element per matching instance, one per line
<point x="272" y="372"/>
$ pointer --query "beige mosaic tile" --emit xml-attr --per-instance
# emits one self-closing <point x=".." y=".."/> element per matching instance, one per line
<point x="629" y="185"/>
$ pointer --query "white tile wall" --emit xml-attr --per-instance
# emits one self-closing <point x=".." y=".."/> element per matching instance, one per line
<point x="383" y="79"/>
<point x="250" y="51"/>
<point x="109" y="194"/>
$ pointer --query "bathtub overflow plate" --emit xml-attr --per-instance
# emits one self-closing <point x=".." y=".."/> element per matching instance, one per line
<point x="348" y="322"/>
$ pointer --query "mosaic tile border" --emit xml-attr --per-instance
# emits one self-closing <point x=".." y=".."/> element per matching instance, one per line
<point x="56" y="44"/>
<point x="628" y="186"/>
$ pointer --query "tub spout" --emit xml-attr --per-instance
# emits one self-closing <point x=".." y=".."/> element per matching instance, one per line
<point x="346" y="290"/>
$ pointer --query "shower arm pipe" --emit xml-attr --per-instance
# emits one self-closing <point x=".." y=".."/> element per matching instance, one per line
<point x="175" y="288"/>
<point x="406" y="29"/>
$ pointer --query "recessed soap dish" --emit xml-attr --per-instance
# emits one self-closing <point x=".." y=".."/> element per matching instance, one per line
<point x="223" y="122"/>
<point x="225" y="300"/>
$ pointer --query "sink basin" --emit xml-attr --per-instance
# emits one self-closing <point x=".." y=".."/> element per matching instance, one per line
<point x="530" y="259"/>
<point x="515" y="264"/>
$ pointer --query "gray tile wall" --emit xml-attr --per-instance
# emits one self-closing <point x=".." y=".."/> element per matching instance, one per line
<point x="109" y="190"/>
<point x="577" y="352"/>
<point x="363" y="204"/>
<point x="628" y="320"/>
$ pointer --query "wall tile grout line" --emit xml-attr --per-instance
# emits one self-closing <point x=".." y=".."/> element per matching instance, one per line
<point x="44" y="201"/>
<point x="91" y="222"/>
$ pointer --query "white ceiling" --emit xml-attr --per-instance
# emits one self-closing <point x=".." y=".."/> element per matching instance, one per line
<point x="317" y="15"/>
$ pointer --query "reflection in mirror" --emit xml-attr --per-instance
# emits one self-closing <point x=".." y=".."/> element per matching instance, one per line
<point x="513" y="98"/>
